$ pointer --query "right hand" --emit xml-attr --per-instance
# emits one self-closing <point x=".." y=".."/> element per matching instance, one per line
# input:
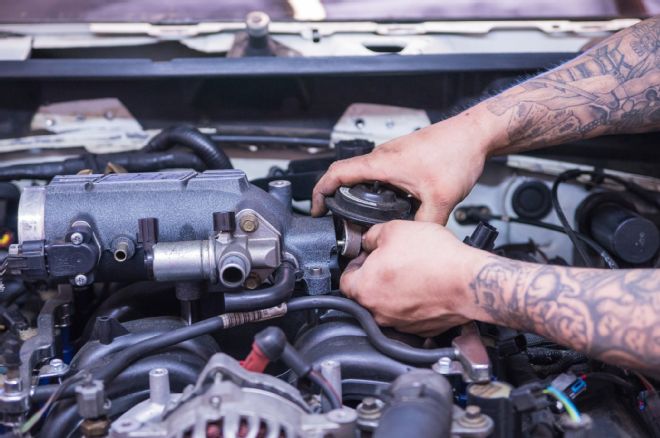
<point x="438" y="165"/>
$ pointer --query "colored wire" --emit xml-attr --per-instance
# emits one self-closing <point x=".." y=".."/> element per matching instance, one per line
<point x="566" y="402"/>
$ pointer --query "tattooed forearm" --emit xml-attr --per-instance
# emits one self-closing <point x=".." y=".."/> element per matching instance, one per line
<point x="613" y="316"/>
<point x="612" y="88"/>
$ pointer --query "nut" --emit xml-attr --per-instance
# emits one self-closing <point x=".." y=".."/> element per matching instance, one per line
<point x="249" y="223"/>
<point x="94" y="428"/>
<point x="472" y="418"/>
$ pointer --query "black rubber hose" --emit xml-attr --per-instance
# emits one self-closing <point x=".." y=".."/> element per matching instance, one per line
<point x="65" y="418"/>
<point x="132" y="162"/>
<point x="279" y="292"/>
<point x="141" y="349"/>
<point x="382" y="343"/>
<point x="186" y="136"/>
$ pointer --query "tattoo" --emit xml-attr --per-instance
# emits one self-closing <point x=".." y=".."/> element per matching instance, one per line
<point x="613" y="316"/>
<point x="612" y="88"/>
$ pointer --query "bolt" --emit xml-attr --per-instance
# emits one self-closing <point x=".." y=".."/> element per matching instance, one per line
<point x="472" y="417"/>
<point x="50" y="122"/>
<point x="56" y="364"/>
<point x="252" y="282"/>
<point x="109" y="115"/>
<point x="12" y="386"/>
<point x="472" y="412"/>
<point x="370" y="408"/>
<point x="443" y="366"/>
<point x="249" y="223"/>
<point x="341" y="416"/>
<point x="80" y="280"/>
<point x="316" y="271"/>
<point x="215" y="401"/>
<point x="76" y="238"/>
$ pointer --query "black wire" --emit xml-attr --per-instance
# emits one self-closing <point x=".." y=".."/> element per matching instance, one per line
<point x="569" y="174"/>
<point x="602" y="252"/>
<point x="387" y="346"/>
<point x="611" y="378"/>
<point x="632" y="187"/>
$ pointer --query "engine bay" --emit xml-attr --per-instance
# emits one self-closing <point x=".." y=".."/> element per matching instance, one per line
<point x="162" y="275"/>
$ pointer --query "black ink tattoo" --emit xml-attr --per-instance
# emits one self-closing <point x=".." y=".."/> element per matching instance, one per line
<point x="612" y="88"/>
<point x="610" y="315"/>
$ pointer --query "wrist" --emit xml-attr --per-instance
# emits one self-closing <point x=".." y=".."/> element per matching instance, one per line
<point x="486" y="130"/>
<point x="473" y="263"/>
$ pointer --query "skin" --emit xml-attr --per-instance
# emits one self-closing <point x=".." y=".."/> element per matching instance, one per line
<point x="418" y="278"/>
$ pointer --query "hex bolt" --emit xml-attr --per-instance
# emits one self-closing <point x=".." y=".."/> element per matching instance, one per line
<point x="442" y="366"/>
<point x="76" y="238"/>
<point x="56" y="364"/>
<point x="249" y="223"/>
<point x="252" y="282"/>
<point x="370" y="408"/>
<point x="80" y="280"/>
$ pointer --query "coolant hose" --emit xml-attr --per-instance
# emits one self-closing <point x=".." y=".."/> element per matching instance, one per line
<point x="187" y="136"/>
<point x="131" y="161"/>
<point x="389" y="347"/>
<point x="279" y="292"/>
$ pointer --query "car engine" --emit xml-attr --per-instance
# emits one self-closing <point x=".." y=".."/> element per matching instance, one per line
<point x="161" y="275"/>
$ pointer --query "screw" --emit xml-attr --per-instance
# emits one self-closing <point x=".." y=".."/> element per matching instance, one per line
<point x="56" y="364"/>
<point x="215" y="401"/>
<point x="249" y="223"/>
<point x="109" y="115"/>
<point x="80" y="280"/>
<point x="76" y="238"/>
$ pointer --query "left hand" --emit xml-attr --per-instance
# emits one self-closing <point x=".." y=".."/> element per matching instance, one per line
<point x="413" y="276"/>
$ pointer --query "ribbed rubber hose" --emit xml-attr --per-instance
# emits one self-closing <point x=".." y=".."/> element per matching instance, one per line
<point x="187" y="136"/>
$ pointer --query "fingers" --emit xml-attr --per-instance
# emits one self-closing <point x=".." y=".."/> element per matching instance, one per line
<point x="350" y="278"/>
<point x="371" y="239"/>
<point x="342" y="173"/>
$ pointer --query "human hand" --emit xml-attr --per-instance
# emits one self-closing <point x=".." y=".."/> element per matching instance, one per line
<point x="438" y="165"/>
<point x="414" y="277"/>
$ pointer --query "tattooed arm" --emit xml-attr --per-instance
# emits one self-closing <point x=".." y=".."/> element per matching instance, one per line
<point x="613" y="316"/>
<point x="612" y="88"/>
<point x="419" y="278"/>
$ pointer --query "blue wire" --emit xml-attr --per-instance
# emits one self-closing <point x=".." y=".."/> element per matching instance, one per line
<point x="564" y="400"/>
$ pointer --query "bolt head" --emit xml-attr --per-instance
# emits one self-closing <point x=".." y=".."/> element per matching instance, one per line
<point x="56" y="364"/>
<point x="215" y="401"/>
<point x="76" y="238"/>
<point x="472" y="411"/>
<point x="252" y="282"/>
<point x="80" y="280"/>
<point x="249" y="223"/>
